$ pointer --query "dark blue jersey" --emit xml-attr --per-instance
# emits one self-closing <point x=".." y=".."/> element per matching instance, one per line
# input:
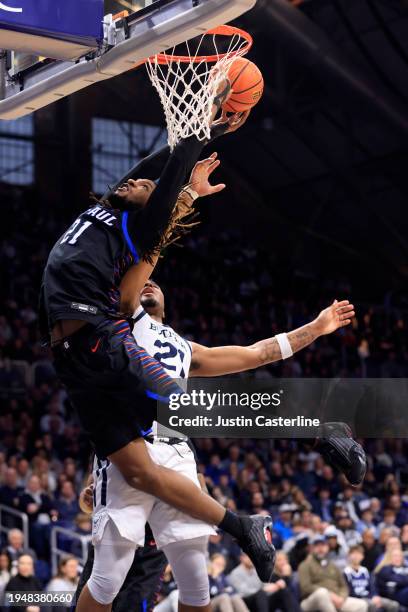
<point x="85" y="268"/>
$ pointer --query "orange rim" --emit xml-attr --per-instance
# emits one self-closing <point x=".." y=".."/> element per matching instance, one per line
<point x="223" y="30"/>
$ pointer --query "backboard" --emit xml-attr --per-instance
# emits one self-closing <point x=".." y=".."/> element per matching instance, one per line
<point x="132" y="31"/>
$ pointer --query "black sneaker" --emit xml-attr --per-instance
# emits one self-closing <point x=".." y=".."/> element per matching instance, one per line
<point x="257" y="544"/>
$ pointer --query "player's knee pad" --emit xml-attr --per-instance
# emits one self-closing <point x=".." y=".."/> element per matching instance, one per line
<point x="104" y="588"/>
<point x="112" y="562"/>
<point x="188" y="561"/>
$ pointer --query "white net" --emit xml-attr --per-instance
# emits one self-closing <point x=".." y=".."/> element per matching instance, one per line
<point x="188" y="84"/>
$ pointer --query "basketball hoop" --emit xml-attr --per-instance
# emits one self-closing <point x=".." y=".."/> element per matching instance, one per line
<point x="188" y="83"/>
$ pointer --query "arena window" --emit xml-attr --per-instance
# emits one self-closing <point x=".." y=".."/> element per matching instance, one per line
<point x="118" y="145"/>
<point x="17" y="151"/>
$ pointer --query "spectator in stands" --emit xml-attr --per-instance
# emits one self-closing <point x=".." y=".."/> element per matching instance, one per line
<point x="23" y="472"/>
<point x="9" y="495"/>
<point x="305" y="478"/>
<point x="392" y="579"/>
<point x="5" y="571"/>
<point x="83" y="527"/>
<point x="385" y="535"/>
<point x="283" y="526"/>
<point x="41" y="511"/>
<point x="257" y="503"/>
<point x="322" y="584"/>
<point x="34" y="502"/>
<point x="376" y="509"/>
<point x="282" y="591"/>
<point x="348" y="499"/>
<point x="328" y="480"/>
<point x="395" y="504"/>
<point x="46" y="474"/>
<point x="298" y="550"/>
<point x="367" y="522"/>
<point x="73" y="473"/>
<point x="393" y="543"/>
<point x="337" y="544"/>
<point x="301" y="502"/>
<point x="15" y="547"/>
<point x="67" y="578"/>
<point x="24" y="581"/>
<point x="83" y="524"/>
<point x="223" y="596"/>
<point x="362" y="586"/>
<point x="389" y="522"/>
<point x="323" y="506"/>
<point x="67" y="503"/>
<point x="372" y="549"/>
<point x="345" y="525"/>
<point x="246" y="583"/>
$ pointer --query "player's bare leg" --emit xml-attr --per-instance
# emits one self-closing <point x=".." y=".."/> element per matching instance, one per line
<point x="140" y="472"/>
<point x="86" y="603"/>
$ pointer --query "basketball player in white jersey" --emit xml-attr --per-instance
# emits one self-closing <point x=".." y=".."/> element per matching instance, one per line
<point x="121" y="512"/>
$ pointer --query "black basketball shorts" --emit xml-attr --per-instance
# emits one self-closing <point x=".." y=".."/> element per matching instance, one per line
<point x="113" y="384"/>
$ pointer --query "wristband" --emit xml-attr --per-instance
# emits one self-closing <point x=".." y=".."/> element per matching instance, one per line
<point x="284" y="346"/>
<point x="193" y="194"/>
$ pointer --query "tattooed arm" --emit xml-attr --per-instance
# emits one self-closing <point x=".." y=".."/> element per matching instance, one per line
<point x="231" y="359"/>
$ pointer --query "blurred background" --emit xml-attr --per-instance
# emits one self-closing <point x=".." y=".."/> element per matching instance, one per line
<point x="315" y="209"/>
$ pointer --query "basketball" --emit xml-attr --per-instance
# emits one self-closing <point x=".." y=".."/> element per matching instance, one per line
<point x="247" y="86"/>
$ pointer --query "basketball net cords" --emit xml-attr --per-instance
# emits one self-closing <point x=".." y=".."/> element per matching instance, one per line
<point x="187" y="89"/>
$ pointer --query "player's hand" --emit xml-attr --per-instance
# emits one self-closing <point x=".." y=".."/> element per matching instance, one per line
<point x="200" y="177"/>
<point x="86" y="499"/>
<point x="227" y="124"/>
<point x="339" y="314"/>
<point x="235" y="121"/>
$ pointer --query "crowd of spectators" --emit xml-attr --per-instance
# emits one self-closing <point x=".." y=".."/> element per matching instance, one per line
<point x="340" y="547"/>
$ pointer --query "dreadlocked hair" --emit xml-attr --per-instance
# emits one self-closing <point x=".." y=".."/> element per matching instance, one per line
<point x="182" y="220"/>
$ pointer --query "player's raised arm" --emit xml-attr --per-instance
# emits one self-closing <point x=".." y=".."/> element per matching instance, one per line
<point x="148" y="225"/>
<point x="231" y="359"/>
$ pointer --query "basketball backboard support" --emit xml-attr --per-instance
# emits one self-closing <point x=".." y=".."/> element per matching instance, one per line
<point x="149" y="28"/>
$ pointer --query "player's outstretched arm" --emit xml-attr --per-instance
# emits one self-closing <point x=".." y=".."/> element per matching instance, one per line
<point x="232" y="359"/>
<point x="150" y="223"/>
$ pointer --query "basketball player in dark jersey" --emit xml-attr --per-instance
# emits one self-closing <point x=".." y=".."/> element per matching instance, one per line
<point x="111" y="381"/>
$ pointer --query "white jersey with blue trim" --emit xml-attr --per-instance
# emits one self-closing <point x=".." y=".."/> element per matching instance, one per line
<point x="164" y="344"/>
<point x="174" y="354"/>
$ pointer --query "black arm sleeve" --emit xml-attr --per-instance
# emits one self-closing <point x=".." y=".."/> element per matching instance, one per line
<point x="150" y="168"/>
<point x="147" y="225"/>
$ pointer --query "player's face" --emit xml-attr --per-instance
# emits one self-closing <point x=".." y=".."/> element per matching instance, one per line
<point x="152" y="299"/>
<point x="136" y="192"/>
